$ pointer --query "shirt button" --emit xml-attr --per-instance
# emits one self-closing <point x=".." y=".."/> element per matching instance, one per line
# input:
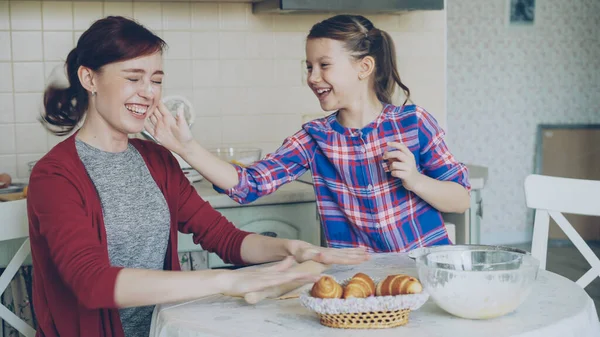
<point x="370" y="187"/>
<point x="363" y="150"/>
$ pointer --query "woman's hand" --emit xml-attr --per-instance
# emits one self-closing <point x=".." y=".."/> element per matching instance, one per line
<point x="242" y="281"/>
<point x="402" y="165"/>
<point x="304" y="251"/>
<point x="171" y="132"/>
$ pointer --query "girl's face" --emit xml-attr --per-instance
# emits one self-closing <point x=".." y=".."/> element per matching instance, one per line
<point x="127" y="91"/>
<point x="333" y="74"/>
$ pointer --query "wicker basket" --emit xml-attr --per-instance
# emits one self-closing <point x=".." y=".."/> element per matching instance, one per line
<point x="366" y="320"/>
<point x="364" y="313"/>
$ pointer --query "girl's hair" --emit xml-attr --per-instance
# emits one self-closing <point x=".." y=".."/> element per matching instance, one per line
<point x="108" y="40"/>
<point x="362" y="39"/>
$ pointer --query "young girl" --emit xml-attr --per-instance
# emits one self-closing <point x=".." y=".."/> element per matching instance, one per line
<point x="382" y="173"/>
<point x="104" y="210"/>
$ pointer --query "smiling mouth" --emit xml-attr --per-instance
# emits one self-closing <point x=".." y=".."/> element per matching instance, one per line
<point x="137" y="109"/>
<point x="322" y="92"/>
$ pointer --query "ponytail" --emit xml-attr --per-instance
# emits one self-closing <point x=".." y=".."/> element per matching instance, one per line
<point x="65" y="107"/>
<point x="362" y="39"/>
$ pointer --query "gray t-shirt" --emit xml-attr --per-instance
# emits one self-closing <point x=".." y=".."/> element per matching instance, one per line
<point x="136" y="217"/>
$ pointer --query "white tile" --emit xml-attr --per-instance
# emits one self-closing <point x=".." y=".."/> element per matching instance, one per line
<point x="205" y="45"/>
<point x="23" y="161"/>
<point x="4" y="17"/>
<point x="57" y="15"/>
<point x="85" y="13"/>
<point x="8" y="165"/>
<point x="28" y="107"/>
<point x="259" y="128"/>
<point x="259" y="22"/>
<point x="124" y="9"/>
<point x="5" y="46"/>
<point x="233" y="101"/>
<point x="179" y="45"/>
<point x="28" y="77"/>
<point x="31" y="138"/>
<point x="6" y="84"/>
<point x="288" y="72"/>
<point x="290" y="45"/>
<point x="7" y="139"/>
<point x="25" y="15"/>
<point x="176" y="16"/>
<point x="56" y="70"/>
<point x="206" y="102"/>
<point x="27" y="46"/>
<point x="76" y="36"/>
<point x="53" y="140"/>
<point x="205" y="16"/>
<point x="260" y="99"/>
<point x="207" y="130"/>
<point x="260" y="45"/>
<point x="232" y="73"/>
<point x="148" y="14"/>
<point x="57" y="45"/>
<point x="206" y="73"/>
<point x="232" y="45"/>
<point x="232" y="16"/>
<point x="178" y="74"/>
<point x="260" y="72"/>
<point x="7" y="109"/>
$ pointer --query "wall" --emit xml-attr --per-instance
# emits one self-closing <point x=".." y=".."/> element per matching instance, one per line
<point x="503" y="81"/>
<point x="242" y="72"/>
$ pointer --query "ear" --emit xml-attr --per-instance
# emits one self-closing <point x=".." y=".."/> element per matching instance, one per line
<point x="87" y="78"/>
<point x="367" y="66"/>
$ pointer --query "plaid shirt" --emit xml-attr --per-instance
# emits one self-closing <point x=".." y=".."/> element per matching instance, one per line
<point x="359" y="202"/>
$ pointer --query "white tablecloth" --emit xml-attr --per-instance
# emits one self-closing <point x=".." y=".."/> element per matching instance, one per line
<point x="556" y="307"/>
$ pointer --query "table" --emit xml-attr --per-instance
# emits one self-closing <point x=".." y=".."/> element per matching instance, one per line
<point x="556" y="307"/>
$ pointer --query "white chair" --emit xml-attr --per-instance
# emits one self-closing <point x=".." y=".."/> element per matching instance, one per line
<point x="14" y="225"/>
<point x="451" y="229"/>
<point x="552" y="196"/>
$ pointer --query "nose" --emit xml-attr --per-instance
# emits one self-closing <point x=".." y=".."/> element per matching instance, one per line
<point x="147" y="91"/>
<point x="314" y="77"/>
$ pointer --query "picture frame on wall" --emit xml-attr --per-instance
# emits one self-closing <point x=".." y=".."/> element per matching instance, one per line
<point x="521" y="12"/>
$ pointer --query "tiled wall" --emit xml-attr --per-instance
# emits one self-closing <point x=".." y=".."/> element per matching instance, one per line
<point x="504" y="80"/>
<point x="243" y="72"/>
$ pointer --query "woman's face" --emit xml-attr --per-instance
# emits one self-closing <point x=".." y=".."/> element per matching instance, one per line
<point x="127" y="91"/>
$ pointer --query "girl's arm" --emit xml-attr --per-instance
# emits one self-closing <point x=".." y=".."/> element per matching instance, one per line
<point x="442" y="181"/>
<point x="243" y="184"/>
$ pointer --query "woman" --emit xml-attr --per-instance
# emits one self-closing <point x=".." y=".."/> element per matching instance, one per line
<point x="104" y="210"/>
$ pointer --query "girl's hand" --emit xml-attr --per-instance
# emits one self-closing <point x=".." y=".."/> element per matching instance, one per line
<point x="402" y="165"/>
<point x="242" y="281"/>
<point x="305" y="252"/>
<point x="171" y="132"/>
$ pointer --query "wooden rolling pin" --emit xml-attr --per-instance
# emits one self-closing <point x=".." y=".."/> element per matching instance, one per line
<point x="312" y="267"/>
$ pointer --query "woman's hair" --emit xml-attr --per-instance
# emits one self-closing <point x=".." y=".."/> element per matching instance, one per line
<point x="108" y="40"/>
<point x="362" y="39"/>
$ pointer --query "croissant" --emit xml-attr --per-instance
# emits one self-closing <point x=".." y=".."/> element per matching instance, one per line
<point x="394" y="285"/>
<point x="326" y="287"/>
<point x="359" y="286"/>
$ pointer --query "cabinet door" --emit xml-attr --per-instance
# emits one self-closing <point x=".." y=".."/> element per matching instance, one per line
<point x="287" y="221"/>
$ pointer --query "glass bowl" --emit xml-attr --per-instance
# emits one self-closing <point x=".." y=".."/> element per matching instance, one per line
<point x="477" y="283"/>
<point x="237" y="155"/>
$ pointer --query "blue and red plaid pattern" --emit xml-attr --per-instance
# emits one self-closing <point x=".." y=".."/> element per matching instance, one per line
<point x="359" y="202"/>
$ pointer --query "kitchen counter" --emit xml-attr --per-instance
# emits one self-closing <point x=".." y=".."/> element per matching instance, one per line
<point x="292" y="192"/>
